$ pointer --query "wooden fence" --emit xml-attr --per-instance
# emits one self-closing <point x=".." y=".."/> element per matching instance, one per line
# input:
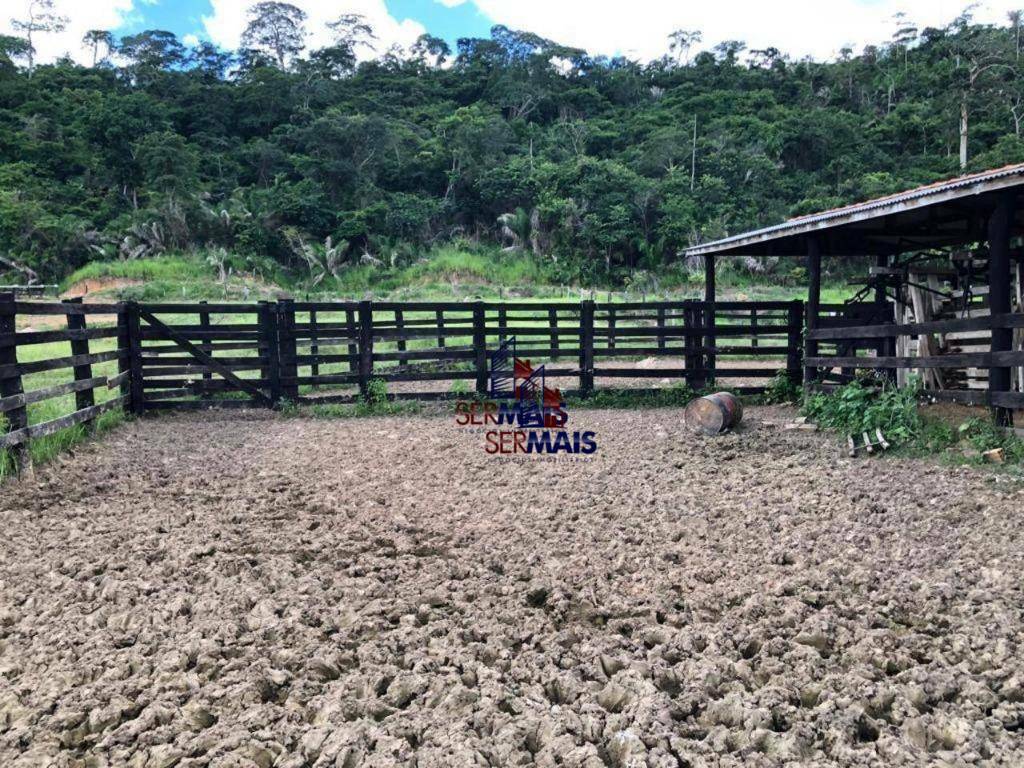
<point x="197" y="355"/>
<point x="883" y="336"/>
<point x="92" y="366"/>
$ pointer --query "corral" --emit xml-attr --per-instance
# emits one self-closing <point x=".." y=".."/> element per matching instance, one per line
<point x="232" y="586"/>
<point x="239" y="589"/>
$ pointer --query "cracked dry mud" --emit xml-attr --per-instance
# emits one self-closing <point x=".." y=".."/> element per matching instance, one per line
<point x="254" y="590"/>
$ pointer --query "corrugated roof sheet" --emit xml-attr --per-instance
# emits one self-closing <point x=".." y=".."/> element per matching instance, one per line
<point x="880" y="206"/>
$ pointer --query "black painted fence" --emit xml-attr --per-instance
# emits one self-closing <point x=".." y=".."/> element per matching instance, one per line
<point x="199" y="355"/>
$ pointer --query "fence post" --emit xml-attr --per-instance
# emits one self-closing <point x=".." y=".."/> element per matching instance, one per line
<point x="365" y="347"/>
<point x="661" y="329"/>
<point x="124" y="357"/>
<point x="439" y="317"/>
<point x="553" y="327"/>
<point x="271" y="371"/>
<point x="400" y="330"/>
<point x="794" y="342"/>
<point x="611" y="325"/>
<point x="314" y="345"/>
<point x="207" y="346"/>
<point x="287" y="349"/>
<point x="84" y="398"/>
<point x="353" y="338"/>
<point x="11" y="383"/>
<point x="586" y="348"/>
<point x="135" y="359"/>
<point x="480" y="346"/>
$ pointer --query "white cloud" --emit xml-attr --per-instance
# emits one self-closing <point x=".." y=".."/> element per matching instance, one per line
<point x="82" y="16"/>
<point x="640" y="28"/>
<point x="229" y="18"/>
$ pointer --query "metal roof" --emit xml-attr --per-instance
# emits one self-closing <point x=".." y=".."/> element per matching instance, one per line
<point x="889" y="209"/>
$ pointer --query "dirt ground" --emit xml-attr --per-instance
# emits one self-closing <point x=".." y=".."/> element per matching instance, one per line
<point x="255" y="590"/>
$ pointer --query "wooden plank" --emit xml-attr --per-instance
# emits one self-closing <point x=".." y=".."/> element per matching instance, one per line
<point x="979" y="397"/>
<point x="52" y="364"/>
<point x="24" y="338"/>
<point x="57" y="390"/>
<point x="58" y="308"/>
<point x="204" y="358"/>
<point x="964" y="360"/>
<point x="25" y="434"/>
<point x="194" y="308"/>
<point x="195" y="405"/>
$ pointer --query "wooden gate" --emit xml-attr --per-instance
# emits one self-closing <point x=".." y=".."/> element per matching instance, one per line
<point x="198" y="355"/>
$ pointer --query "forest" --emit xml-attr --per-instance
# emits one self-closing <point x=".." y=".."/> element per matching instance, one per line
<point x="320" y="161"/>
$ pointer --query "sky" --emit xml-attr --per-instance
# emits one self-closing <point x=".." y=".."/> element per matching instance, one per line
<point x="635" y="28"/>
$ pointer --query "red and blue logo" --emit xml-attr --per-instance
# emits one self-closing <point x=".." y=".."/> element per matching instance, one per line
<point x="523" y="416"/>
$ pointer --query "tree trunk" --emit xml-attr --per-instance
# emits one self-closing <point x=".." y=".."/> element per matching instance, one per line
<point x="963" y="133"/>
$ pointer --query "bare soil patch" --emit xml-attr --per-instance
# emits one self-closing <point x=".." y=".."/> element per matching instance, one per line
<point x="251" y="590"/>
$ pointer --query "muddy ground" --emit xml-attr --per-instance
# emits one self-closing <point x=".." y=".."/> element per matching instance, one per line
<point x="262" y="591"/>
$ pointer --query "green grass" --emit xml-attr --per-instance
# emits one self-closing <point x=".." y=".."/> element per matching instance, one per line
<point x="457" y="272"/>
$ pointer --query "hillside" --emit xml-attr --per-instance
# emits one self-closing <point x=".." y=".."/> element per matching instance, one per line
<point x="308" y="168"/>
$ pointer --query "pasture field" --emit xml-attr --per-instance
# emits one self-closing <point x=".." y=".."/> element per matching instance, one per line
<point x="252" y="589"/>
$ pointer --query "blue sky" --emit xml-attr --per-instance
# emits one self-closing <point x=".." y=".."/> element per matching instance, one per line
<point x="185" y="17"/>
<point x="636" y="28"/>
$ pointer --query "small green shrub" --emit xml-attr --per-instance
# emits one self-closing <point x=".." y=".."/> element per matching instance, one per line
<point x="983" y="435"/>
<point x="863" y="407"/>
<point x="781" y="389"/>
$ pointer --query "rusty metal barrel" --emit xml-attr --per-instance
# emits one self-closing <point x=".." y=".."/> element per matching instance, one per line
<point x="714" y="414"/>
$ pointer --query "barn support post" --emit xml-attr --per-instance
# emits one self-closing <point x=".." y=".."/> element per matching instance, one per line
<point x="884" y="347"/>
<point x="365" y="347"/>
<point x="693" y="321"/>
<point x="813" y="306"/>
<point x="287" y="348"/>
<point x="84" y="398"/>
<point x="11" y="384"/>
<point x="710" y="340"/>
<point x="480" y="346"/>
<point x="135" y="358"/>
<point x="999" y="227"/>
<point x="586" y="348"/>
<point x="794" y="358"/>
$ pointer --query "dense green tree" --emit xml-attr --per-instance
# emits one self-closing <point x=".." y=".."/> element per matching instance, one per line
<point x="597" y="165"/>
